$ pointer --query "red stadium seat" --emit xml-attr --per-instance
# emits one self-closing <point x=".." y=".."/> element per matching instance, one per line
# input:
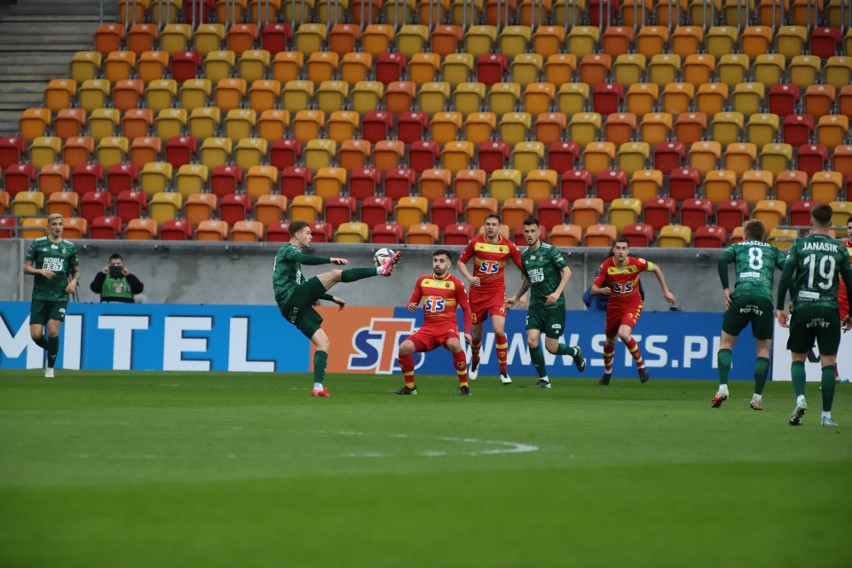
<point x="11" y="151"/>
<point x="225" y="179"/>
<point x="684" y="184"/>
<point x="295" y="180"/>
<point x="376" y="209"/>
<point x="824" y="41"/>
<point x="95" y="204"/>
<point x="607" y="98"/>
<point x="460" y="234"/>
<point x="130" y="204"/>
<point x="186" y="65"/>
<point x="399" y="183"/>
<point x="783" y="99"/>
<point x="491" y="67"/>
<point x="639" y="235"/>
<point x="234" y="207"/>
<point x="176" y="230"/>
<point x="105" y="228"/>
<point x="812" y="158"/>
<point x="86" y="178"/>
<point x="8" y="227"/>
<point x="390" y="67"/>
<point x="659" y="211"/>
<point x="376" y="125"/>
<point x="412" y="126"/>
<point x="798" y="129"/>
<point x="121" y="177"/>
<point x="696" y="212"/>
<point x="387" y="234"/>
<point x="669" y="156"/>
<point x="610" y="185"/>
<point x="277" y="232"/>
<point x="422" y="155"/>
<point x="576" y="184"/>
<point x="493" y="156"/>
<point x="284" y="153"/>
<point x="339" y="209"/>
<point x="446" y="211"/>
<point x="180" y="150"/>
<point x="364" y="183"/>
<point x="731" y="214"/>
<point x="321" y="232"/>
<point x="19" y="177"/>
<point x="275" y="37"/>
<point x="800" y="213"/>
<point x="563" y="156"/>
<point x="710" y="236"/>
<point x="553" y="211"/>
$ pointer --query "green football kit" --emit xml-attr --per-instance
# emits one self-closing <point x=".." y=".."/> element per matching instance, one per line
<point x="50" y="301"/>
<point x="543" y="268"/>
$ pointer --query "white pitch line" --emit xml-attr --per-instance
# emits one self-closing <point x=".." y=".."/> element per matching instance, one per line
<point x="503" y="447"/>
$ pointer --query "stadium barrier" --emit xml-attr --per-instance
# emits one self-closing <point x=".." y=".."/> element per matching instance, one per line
<point x="180" y="337"/>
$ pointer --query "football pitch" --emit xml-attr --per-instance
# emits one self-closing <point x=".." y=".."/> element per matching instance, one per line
<point x="224" y="470"/>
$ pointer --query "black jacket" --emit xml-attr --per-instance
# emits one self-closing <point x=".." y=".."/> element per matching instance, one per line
<point x="97" y="286"/>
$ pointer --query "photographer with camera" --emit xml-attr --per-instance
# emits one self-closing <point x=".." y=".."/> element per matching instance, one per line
<point x="115" y="283"/>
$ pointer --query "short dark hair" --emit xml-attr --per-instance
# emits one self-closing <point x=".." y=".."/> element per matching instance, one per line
<point x="822" y="215"/>
<point x="531" y="221"/>
<point x="115" y="256"/>
<point x="621" y="239"/>
<point x="297" y="226"/>
<point x="444" y="252"/>
<point x="492" y="216"/>
<point x="754" y="230"/>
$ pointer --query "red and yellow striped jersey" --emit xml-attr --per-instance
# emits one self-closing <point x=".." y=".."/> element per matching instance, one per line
<point x="441" y="298"/>
<point x="489" y="263"/>
<point x="622" y="280"/>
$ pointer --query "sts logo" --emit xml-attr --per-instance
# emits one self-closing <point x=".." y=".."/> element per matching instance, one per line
<point x="375" y="345"/>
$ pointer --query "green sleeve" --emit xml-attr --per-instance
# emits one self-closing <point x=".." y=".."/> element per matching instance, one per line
<point x="327" y="297"/>
<point x="724" y="260"/>
<point x="779" y="259"/>
<point x="310" y="259"/>
<point x="786" y="277"/>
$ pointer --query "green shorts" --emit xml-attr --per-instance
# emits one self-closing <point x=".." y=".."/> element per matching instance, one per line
<point x="551" y="321"/>
<point x="43" y="310"/>
<point x="814" y="323"/>
<point x="299" y="307"/>
<point x="752" y="310"/>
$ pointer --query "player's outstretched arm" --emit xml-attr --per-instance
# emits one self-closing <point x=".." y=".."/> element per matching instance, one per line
<point x="72" y="284"/>
<point x="31" y="270"/>
<point x="525" y="285"/>
<point x="553" y="297"/>
<point x="462" y="266"/>
<point x="667" y="294"/>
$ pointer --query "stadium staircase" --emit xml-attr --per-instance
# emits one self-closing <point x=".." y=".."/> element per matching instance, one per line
<point x="28" y="62"/>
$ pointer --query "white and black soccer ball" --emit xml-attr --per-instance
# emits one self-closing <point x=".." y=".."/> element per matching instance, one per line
<point x="382" y="255"/>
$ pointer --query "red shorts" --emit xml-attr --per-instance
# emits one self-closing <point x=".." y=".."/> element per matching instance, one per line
<point x="427" y="339"/>
<point x="484" y="303"/>
<point x="616" y="316"/>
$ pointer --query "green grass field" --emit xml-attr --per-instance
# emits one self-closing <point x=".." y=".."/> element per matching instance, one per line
<point x="225" y="470"/>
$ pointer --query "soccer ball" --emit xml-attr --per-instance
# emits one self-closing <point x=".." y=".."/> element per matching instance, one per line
<point x="382" y="255"/>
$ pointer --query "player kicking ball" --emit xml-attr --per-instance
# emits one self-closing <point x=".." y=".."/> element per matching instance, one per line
<point x="442" y="294"/>
<point x="546" y="274"/>
<point x="755" y="262"/>
<point x="296" y="295"/>
<point x="618" y="280"/>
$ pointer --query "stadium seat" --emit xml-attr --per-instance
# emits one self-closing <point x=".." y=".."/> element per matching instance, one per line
<point x="435" y="183"/>
<point x="86" y="178"/>
<point x="826" y="186"/>
<point x="610" y="185"/>
<point x="33" y="228"/>
<point x="638" y="235"/>
<point x="176" y="230"/>
<point x="247" y="231"/>
<point x="587" y="212"/>
<point x="731" y="214"/>
<point x="675" y="236"/>
<point x="19" y="177"/>
<point x="600" y="235"/>
<point x="63" y="202"/>
<point x="422" y="234"/>
<point x="105" y="228"/>
<point x="277" y="232"/>
<point x="141" y="230"/>
<point x="387" y="234"/>
<point x="566" y="235"/>
<point x="212" y="230"/>
<point x="623" y="212"/>
<point x="782" y="238"/>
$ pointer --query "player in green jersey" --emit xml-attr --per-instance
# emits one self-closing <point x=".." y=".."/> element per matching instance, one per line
<point x="815" y="264"/>
<point x="296" y="295"/>
<point x="546" y="274"/>
<point x="755" y="262"/>
<point x="52" y="261"/>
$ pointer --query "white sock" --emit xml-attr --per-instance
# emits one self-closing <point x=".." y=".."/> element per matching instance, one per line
<point x="379" y="270"/>
<point x="757" y="397"/>
<point x="318" y="386"/>
<point x="826" y="414"/>
<point x="800" y="399"/>
<point x="545" y="379"/>
<point x="723" y="389"/>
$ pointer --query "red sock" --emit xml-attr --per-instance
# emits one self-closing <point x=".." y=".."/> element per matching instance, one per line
<point x="608" y="353"/>
<point x="474" y="350"/>
<point x="634" y="350"/>
<point x="461" y="367"/>
<point x="406" y="363"/>
<point x="502" y="345"/>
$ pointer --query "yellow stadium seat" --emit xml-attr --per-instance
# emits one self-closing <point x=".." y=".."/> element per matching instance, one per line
<point x="457" y="68"/>
<point x="623" y="212"/>
<point x="112" y="151"/>
<point x="776" y="157"/>
<point x="191" y="178"/>
<point x="722" y="40"/>
<point x="804" y="70"/>
<point x="28" y="203"/>
<point x="332" y="96"/>
<point x="769" y="68"/>
<point x="209" y="37"/>
<point x="646" y="184"/>
<point x="175" y="37"/>
<point x="434" y="97"/>
<point x="726" y="127"/>
<point x="411" y="210"/>
<point x="85" y="65"/>
<point x="456" y="155"/>
<point x="45" y="150"/>
<point x="366" y="96"/>
<point x="675" y="236"/>
<point x="719" y="185"/>
<point x="572" y="97"/>
<point x="319" y="153"/>
<point x="250" y="152"/>
<point x="165" y="206"/>
<point x="748" y="97"/>
<point x="305" y="208"/>
<point x="94" y="93"/>
<point x="204" y="122"/>
<point x="240" y="123"/>
<point x="733" y="68"/>
<point x="526" y="67"/>
<point x="297" y="95"/>
<point x="633" y="156"/>
<point x="479" y="40"/>
<point x="503" y="97"/>
<point x="504" y="184"/>
<point x="838" y="71"/>
<point x="351" y="233"/>
<point x="311" y="37"/>
<point x="762" y="128"/>
<point x="515" y="127"/>
<point x="219" y="65"/>
<point x="216" y="151"/>
<point x="514" y="40"/>
<point x="170" y="122"/>
<point x="528" y="156"/>
<point x="782" y="238"/>
<point x="584" y="127"/>
<point x="629" y="68"/>
<point x="155" y="177"/>
<point x="253" y="64"/>
<point x="194" y="93"/>
<point x="468" y="97"/>
<point x="664" y="69"/>
<point x="756" y="185"/>
<point x="583" y="40"/>
<point x="599" y="156"/>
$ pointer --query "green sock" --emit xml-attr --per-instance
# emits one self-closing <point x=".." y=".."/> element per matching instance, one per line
<point x="320" y="361"/>
<point x="565" y="350"/>
<point x="538" y="361"/>
<point x="353" y="274"/>
<point x="41" y="342"/>
<point x="828" y="383"/>
<point x="761" y="371"/>
<point x="723" y="358"/>
<point x="797" y="373"/>
<point x="53" y="350"/>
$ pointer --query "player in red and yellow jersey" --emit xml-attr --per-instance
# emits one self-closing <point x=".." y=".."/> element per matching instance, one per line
<point x="842" y="301"/>
<point x="442" y="294"/>
<point x="618" y="280"/>
<point x="490" y="253"/>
